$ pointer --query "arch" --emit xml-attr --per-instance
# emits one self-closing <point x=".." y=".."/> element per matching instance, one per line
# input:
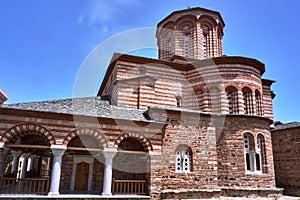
<point x="12" y="134"/>
<point x="169" y="25"/>
<point x="186" y="20"/>
<point x="249" y="152"/>
<point x="232" y="100"/>
<point x="206" y="19"/>
<point x="261" y="159"/>
<point x="248" y="100"/>
<point x="258" y="103"/>
<point x="141" y="138"/>
<point x="86" y="131"/>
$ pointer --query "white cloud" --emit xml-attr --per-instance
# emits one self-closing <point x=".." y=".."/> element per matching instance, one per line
<point x="80" y="18"/>
<point x="105" y="11"/>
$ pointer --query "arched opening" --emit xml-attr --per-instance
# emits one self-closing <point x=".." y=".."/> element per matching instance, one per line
<point x="130" y="167"/>
<point x="248" y="101"/>
<point x="28" y="159"/>
<point x="232" y="100"/>
<point x="258" y="103"/>
<point x="28" y="156"/>
<point x="83" y="162"/>
<point x="261" y="160"/>
<point x="249" y="152"/>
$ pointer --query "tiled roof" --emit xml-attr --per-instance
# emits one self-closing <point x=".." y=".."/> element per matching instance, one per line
<point x="281" y="126"/>
<point x="87" y="106"/>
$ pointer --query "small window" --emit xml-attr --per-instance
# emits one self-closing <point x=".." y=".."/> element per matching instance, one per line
<point x="179" y="101"/>
<point x="205" y="31"/>
<point x="247" y="98"/>
<point x="186" y="45"/>
<point x="232" y="99"/>
<point x="183" y="159"/>
<point x="258" y="103"/>
<point x="249" y="153"/>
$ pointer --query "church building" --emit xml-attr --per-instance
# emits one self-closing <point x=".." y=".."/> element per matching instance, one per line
<point x="193" y="123"/>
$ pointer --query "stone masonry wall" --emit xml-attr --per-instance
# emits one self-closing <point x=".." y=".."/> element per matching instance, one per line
<point x="231" y="162"/>
<point x="286" y="151"/>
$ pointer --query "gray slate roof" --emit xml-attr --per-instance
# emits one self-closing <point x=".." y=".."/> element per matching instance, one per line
<point x="87" y="106"/>
<point x="281" y="126"/>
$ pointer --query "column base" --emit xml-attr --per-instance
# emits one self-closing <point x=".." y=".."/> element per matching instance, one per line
<point x="53" y="193"/>
<point x="106" y="194"/>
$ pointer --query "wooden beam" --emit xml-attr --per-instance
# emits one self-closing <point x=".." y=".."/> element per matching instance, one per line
<point x="27" y="146"/>
<point x="83" y="149"/>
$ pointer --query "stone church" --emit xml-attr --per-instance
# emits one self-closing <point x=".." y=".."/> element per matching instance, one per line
<point x="193" y="123"/>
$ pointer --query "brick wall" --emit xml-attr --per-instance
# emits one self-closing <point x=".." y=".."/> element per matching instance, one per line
<point x="286" y="151"/>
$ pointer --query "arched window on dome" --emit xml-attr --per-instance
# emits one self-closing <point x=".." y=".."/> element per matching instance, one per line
<point x="183" y="159"/>
<point x="169" y="45"/>
<point x="248" y="103"/>
<point x="258" y="103"/>
<point x="186" y="45"/>
<point x="205" y="31"/>
<point x="232" y="100"/>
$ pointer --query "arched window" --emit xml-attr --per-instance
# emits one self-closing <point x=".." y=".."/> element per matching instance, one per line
<point x="169" y="46"/>
<point x="232" y="99"/>
<point x="249" y="152"/>
<point x="183" y="159"/>
<point x="186" y="45"/>
<point x="260" y="154"/>
<point x="258" y="103"/>
<point x="179" y="101"/>
<point x="255" y="160"/>
<point x="205" y="31"/>
<point x="247" y="97"/>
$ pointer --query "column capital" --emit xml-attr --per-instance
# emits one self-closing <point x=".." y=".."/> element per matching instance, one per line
<point x="16" y="153"/>
<point x="109" y="152"/>
<point x="58" y="150"/>
<point x="26" y="155"/>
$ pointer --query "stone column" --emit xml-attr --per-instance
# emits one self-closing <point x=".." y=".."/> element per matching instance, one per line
<point x="16" y="155"/>
<point x="25" y="164"/>
<point x="58" y="152"/>
<point x="3" y="152"/>
<point x="109" y="154"/>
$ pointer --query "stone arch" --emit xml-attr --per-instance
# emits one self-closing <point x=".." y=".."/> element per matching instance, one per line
<point x="141" y="138"/>
<point x="86" y="131"/>
<point x="16" y="131"/>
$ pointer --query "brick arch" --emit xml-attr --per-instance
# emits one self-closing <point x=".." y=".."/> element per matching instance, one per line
<point x="141" y="138"/>
<point x="86" y="131"/>
<point x="207" y="20"/>
<point x="186" y="19"/>
<point x="232" y="84"/>
<point x="18" y="129"/>
<point x="186" y="143"/>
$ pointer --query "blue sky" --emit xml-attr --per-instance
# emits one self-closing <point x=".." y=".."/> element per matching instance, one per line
<point x="44" y="43"/>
